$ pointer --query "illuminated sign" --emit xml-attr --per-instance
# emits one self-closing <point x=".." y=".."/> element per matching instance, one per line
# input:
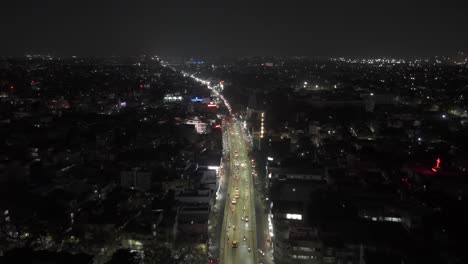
<point x="196" y="99"/>
<point x="437" y="166"/>
<point x="123" y="104"/>
<point x="294" y="216"/>
<point x="212" y="105"/>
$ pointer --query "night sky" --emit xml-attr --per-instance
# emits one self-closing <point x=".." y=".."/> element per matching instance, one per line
<point x="234" y="28"/>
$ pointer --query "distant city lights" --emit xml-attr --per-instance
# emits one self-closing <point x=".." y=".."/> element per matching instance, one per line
<point x="212" y="88"/>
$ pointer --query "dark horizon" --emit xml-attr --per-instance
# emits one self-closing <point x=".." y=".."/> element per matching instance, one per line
<point x="332" y="29"/>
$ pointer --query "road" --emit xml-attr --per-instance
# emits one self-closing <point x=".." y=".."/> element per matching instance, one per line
<point x="235" y="226"/>
<point x="233" y="214"/>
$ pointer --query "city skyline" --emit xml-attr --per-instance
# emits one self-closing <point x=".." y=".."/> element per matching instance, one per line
<point x="174" y="132"/>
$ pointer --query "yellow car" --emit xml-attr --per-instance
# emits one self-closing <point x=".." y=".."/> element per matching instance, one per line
<point x="234" y="244"/>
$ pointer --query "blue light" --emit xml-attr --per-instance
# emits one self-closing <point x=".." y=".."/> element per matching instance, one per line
<point x="196" y="99"/>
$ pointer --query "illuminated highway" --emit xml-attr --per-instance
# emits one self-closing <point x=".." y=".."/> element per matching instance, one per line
<point x="239" y="215"/>
<point x="238" y="241"/>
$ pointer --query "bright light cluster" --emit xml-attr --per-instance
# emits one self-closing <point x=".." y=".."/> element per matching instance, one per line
<point x="262" y="128"/>
<point x="172" y="98"/>
<point x="294" y="216"/>
<point x="213" y="88"/>
<point x="371" y="61"/>
<point x="270" y="225"/>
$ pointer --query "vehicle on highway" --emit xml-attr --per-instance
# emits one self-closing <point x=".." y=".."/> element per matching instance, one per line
<point x="234" y="202"/>
<point x="234" y="244"/>
<point x="261" y="252"/>
<point x="246" y="218"/>
<point x="249" y="249"/>
<point x="244" y="238"/>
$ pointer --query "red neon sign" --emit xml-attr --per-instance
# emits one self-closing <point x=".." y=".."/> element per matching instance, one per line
<point x="437" y="166"/>
<point x="212" y="105"/>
